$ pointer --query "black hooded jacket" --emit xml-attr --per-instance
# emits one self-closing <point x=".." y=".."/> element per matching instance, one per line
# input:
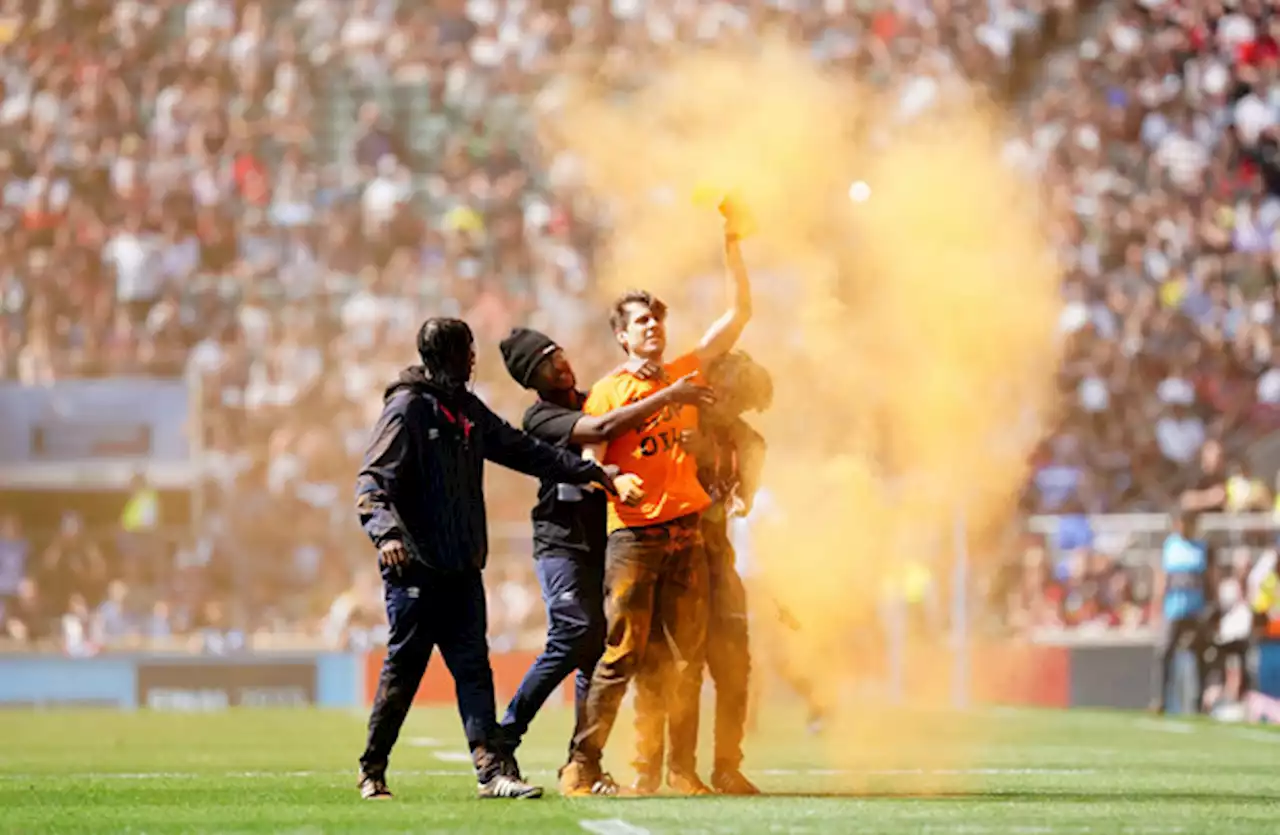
<point x="422" y="480"/>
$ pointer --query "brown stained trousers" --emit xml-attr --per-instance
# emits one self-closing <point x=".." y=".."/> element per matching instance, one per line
<point x="728" y="660"/>
<point x="655" y="585"/>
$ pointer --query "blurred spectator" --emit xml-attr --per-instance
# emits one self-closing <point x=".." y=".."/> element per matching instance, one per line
<point x="269" y="197"/>
<point x="77" y="628"/>
<point x="14" y="553"/>
<point x="1229" y="663"/>
<point x="515" y="607"/>
<point x="72" y="564"/>
<point x="355" y="619"/>
<point x="1209" y="489"/>
<point x="113" y="623"/>
<point x="28" y="618"/>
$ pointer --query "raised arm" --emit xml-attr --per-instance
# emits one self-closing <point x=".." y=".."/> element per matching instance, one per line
<point x="1206" y="499"/>
<point x="724" y="333"/>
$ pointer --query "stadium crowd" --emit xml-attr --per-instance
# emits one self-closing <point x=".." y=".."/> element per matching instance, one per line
<point x="270" y="196"/>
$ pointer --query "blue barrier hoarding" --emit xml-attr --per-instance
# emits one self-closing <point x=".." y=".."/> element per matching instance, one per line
<point x="50" y="681"/>
<point x="177" y="682"/>
<point x="215" y="684"/>
<point x="340" y="679"/>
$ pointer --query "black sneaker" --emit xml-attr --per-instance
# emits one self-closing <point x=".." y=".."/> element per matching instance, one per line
<point x="509" y="788"/>
<point x="374" y="787"/>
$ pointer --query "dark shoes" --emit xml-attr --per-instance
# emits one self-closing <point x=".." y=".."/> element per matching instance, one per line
<point x="504" y="786"/>
<point x="507" y="782"/>
<point x="374" y="787"/>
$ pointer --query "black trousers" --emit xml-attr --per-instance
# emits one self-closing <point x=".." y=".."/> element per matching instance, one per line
<point x="446" y="611"/>
<point x="1178" y="632"/>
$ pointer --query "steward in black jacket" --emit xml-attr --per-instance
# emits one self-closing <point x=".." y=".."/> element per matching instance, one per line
<point x="420" y="494"/>
<point x="422" y="482"/>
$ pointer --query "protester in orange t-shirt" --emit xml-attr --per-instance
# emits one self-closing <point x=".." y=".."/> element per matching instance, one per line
<point x="655" y="568"/>
<point x="654" y="451"/>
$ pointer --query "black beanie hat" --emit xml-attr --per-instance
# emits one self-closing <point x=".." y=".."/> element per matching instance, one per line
<point x="523" y="350"/>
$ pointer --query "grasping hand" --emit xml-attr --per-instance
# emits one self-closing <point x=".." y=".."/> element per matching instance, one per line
<point x="630" y="489"/>
<point x="689" y="391"/>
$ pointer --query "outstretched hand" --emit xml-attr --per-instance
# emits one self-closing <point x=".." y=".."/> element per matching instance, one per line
<point x="690" y="391"/>
<point x="738" y="222"/>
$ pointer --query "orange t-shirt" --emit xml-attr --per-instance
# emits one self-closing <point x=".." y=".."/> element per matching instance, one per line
<point x="653" y="451"/>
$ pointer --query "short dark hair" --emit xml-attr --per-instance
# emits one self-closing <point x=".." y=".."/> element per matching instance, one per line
<point x="445" y="345"/>
<point x="738" y="375"/>
<point x="618" y="315"/>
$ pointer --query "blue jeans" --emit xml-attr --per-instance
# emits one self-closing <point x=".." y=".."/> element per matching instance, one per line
<point x="573" y="591"/>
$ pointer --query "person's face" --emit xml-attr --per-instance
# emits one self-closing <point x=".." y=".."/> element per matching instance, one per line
<point x="471" y="364"/>
<point x="645" y="335"/>
<point x="555" y="373"/>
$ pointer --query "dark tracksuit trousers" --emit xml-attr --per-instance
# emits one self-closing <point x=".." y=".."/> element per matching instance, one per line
<point x="573" y="591"/>
<point x="728" y="660"/>
<point x="655" y="584"/>
<point x="445" y="610"/>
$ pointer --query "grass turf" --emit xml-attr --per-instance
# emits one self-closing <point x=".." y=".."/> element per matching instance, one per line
<point x="292" y="771"/>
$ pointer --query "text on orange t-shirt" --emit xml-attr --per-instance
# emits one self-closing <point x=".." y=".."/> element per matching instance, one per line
<point x="653" y="450"/>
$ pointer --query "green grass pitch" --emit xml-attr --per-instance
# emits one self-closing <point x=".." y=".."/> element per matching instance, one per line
<point x="1034" y="773"/>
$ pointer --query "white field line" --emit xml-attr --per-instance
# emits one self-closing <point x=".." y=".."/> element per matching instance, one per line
<point x="461" y="757"/>
<point x="423" y="742"/>
<point x="612" y="826"/>
<point x="1255" y="735"/>
<point x="898" y="772"/>
<point x="1050" y="829"/>
<point x="451" y="756"/>
<point x="1164" y="726"/>
<point x="193" y="775"/>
